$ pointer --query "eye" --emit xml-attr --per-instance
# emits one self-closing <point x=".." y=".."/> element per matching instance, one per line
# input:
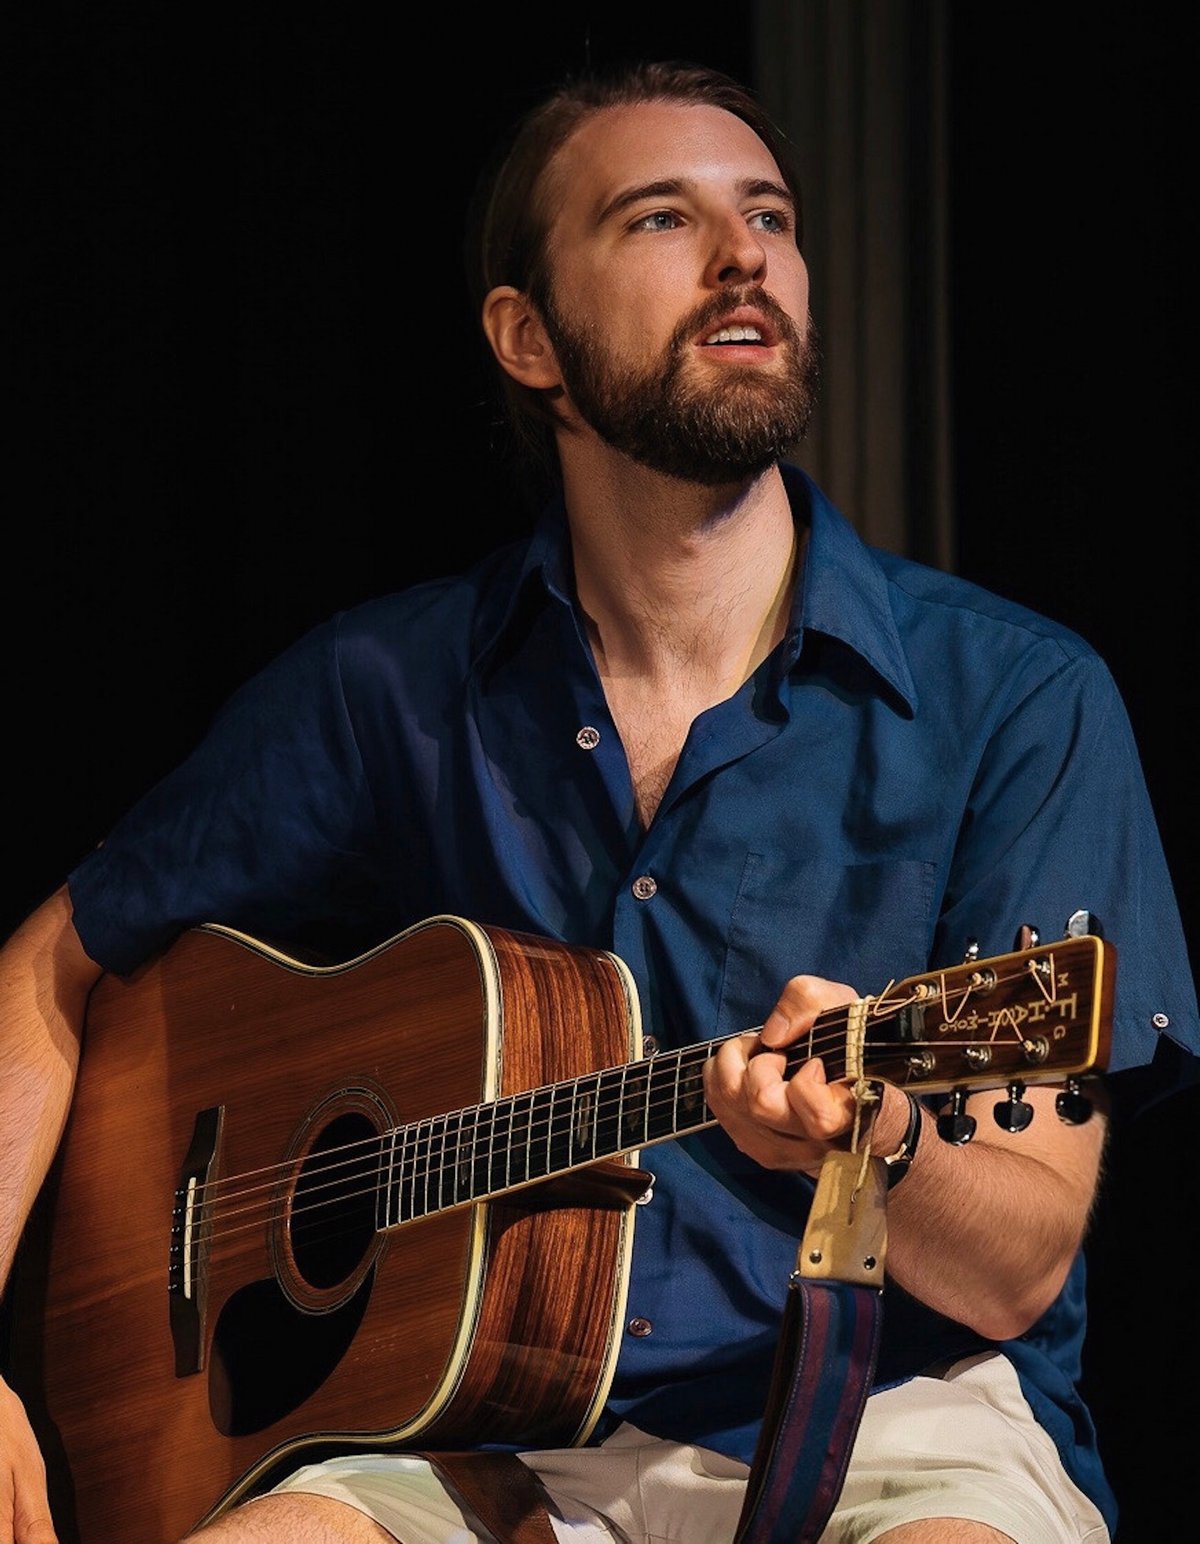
<point x="775" y="222"/>
<point x="660" y="220"/>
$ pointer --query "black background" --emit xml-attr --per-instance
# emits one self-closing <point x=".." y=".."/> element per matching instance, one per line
<point x="245" y="390"/>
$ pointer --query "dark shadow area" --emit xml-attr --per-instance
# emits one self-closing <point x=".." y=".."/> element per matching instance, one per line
<point x="1075" y="483"/>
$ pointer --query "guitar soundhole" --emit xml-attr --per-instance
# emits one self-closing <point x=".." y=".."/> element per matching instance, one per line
<point x="326" y="1232"/>
<point x="331" y="1220"/>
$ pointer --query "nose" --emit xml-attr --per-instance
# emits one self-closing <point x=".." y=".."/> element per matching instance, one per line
<point x="737" y="254"/>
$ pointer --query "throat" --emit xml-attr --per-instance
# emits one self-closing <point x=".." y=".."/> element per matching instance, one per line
<point x="674" y="640"/>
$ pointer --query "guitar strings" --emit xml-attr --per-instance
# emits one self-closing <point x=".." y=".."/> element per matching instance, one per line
<point x="269" y="1176"/>
<point x="238" y="1203"/>
<point x="424" y="1144"/>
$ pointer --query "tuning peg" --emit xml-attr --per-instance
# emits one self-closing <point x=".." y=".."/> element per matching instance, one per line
<point x="1014" y="1114"/>
<point x="1027" y="937"/>
<point x="971" y="952"/>
<point x="1073" y="1105"/>
<point x="954" y="1125"/>
<point x="1082" y="923"/>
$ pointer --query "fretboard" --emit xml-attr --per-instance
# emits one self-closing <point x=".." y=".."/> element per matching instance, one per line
<point x="484" y="1150"/>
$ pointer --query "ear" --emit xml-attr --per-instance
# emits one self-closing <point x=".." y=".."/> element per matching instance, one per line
<point x="518" y="339"/>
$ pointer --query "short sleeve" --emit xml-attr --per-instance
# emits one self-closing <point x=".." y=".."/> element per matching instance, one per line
<point x="264" y="824"/>
<point x="1059" y="821"/>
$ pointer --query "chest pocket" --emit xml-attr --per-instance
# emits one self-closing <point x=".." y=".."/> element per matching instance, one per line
<point x="862" y="923"/>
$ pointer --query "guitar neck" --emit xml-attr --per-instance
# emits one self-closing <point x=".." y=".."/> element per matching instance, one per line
<point x="485" y="1151"/>
<point x="1035" y="1016"/>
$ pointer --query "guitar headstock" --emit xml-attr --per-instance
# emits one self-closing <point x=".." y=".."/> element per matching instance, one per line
<point x="1038" y="1015"/>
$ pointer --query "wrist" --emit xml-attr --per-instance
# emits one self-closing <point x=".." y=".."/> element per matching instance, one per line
<point x="900" y="1160"/>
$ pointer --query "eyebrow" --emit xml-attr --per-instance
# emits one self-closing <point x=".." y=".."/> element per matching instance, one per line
<point x="667" y="187"/>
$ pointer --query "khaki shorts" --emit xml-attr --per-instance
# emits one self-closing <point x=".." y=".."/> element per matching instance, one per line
<point x="965" y="1445"/>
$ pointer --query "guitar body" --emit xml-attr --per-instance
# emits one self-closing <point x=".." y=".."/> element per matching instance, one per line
<point x="168" y="1379"/>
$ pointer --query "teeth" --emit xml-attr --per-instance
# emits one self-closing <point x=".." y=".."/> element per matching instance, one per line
<point x="735" y="335"/>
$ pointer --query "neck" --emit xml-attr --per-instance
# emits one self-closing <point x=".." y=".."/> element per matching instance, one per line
<point x="672" y="574"/>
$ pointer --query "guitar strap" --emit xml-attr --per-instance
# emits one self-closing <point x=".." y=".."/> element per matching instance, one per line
<point x="825" y="1357"/>
<point x="505" y="1495"/>
<point x="823" y="1372"/>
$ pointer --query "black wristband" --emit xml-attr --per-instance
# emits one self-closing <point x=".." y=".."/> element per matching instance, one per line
<point x="900" y="1162"/>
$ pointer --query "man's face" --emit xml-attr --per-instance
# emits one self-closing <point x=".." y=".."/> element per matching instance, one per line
<point x="679" y="300"/>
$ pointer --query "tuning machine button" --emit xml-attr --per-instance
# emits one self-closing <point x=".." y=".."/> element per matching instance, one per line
<point x="955" y="1125"/>
<point x="1014" y="1114"/>
<point x="1073" y="1105"/>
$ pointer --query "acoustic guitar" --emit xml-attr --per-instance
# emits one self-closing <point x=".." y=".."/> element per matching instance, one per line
<point x="390" y="1203"/>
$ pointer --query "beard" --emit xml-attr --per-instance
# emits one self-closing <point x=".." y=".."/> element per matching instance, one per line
<point x="709" y="432"/>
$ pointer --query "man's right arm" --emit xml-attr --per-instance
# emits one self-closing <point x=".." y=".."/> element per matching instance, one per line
<point x="45" y="978"/>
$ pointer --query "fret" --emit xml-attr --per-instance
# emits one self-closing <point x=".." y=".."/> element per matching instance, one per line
<point x="537" y="1150"/>
<point x="558" y="1145"/>
<point x="500" y="1141"/>
<point x="631" y="1121"/>
<point x="486" y="1153"/>
<point x="521" y="1137"/>
<point x="406" y="1177"/>
<point x="437" y="1158"/>
<point x="420" y="1169"/>
<point x="462" y="1158"/>
<point x="593" y="1116"/>
<point x="387" y="1211"/>
<point x="587" y="1102"/>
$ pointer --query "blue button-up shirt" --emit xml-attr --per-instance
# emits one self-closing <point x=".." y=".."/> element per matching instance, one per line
<point x="918" y="765"/>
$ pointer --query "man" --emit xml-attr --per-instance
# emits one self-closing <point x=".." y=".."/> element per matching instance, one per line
<point x="694" y="721"/>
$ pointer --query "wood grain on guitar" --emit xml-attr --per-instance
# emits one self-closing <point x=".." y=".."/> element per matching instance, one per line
<point x="389" y="1203"/>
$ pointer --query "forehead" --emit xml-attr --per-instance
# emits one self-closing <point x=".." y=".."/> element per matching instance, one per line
<point x="623" y="148"/>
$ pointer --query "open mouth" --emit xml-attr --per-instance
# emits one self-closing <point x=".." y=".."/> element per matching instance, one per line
<point x="735" y="334"/>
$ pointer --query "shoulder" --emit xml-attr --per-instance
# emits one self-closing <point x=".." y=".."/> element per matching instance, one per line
<point x="1005" y="663"/>
<point x="944" y="641"/>
<point x="429" y="629"/>
<point x="451" y="608"/>
<point x="954" y="602"/>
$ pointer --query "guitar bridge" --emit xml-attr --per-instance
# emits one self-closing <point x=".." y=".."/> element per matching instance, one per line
<point x="188" y="1271"/>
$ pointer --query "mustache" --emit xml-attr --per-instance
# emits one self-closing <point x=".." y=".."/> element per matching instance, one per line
<point x="710" y="311"/>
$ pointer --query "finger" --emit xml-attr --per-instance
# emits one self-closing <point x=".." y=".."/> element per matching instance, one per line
<point x="24" y="1500"/>
<point x="800" y="1002"/>
<point x="824" y="1110"/>
<point x="763" y="1094"/>
<point x="744" y="1083"/>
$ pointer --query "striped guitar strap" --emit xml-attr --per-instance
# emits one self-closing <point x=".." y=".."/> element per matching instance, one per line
<point x="825" y="1359"/>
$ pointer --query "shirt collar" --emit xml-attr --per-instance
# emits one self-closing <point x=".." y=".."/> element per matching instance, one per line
<point x="539" y="567"/>
<point x="843" y="592"/>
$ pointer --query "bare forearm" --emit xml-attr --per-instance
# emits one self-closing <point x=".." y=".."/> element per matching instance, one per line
<point x="44" y="981"/>
<point x="986" y="1232"/>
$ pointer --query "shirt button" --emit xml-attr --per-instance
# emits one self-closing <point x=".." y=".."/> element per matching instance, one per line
<point x="588" y="738"/>
<point x="644" y="887"/>
<point x="649" y="1045"/>
<point x="1160" y="1021"/>
<point x="640" y="1327"/>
